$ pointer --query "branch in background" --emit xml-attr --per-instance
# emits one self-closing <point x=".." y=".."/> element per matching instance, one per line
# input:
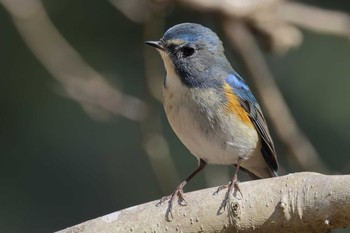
<point x="277" y="35"/>
<point x="80" y="82"/>
<point x="229" y="8"/>
<point x="315" y="19"/>
<point x="135" y="10"/>
<point x="261" y="15"/>
<point x="300" y="202"/>
<point x="276" y="19"/>
<point x="286" y="127"/>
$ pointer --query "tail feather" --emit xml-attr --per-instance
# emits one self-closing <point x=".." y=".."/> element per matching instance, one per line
<point x="257" y="170"/>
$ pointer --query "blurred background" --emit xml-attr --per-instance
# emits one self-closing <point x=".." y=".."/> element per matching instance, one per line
<point x="82" y="129"/>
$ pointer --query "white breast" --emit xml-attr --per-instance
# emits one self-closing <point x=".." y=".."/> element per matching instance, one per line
<point x="207" y="131"/>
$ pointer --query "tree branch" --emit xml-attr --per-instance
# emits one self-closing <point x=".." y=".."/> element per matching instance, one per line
<point x="315" y="19"/>
<point x="300" y="202"/>
<point x="79" y="81"/>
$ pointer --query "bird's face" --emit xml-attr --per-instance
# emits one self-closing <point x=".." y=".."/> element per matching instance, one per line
<point x="192" y="51"/>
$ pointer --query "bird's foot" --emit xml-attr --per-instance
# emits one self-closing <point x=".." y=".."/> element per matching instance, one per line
<point x="232" y="186"/>
<point x="221" y="188"/>
<point x="171" y="198"/>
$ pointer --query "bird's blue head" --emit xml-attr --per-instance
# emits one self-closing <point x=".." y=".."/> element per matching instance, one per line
<point x="195" y="53"/>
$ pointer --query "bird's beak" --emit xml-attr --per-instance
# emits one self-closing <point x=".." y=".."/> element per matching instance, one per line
<point x="155" y="44"/>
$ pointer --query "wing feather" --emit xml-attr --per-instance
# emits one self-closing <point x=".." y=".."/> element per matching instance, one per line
<point x="249" y="103"/>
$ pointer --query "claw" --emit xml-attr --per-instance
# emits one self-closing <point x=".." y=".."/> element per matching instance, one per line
<point x="220" y="188"/>
<point x="232" y="185"/>
<point x="171" y="198"/>
<point x="163" y="199"/>
<point x="181" y="199"/>
<point x="179" y="192"/>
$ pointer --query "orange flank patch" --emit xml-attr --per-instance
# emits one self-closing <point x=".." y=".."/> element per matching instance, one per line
<point x="233" y="105"/>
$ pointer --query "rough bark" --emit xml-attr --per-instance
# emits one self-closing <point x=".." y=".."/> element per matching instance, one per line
<point x="300" y="202"/>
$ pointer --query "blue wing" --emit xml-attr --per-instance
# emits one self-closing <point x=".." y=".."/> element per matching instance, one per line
<point x="249" y="103"/>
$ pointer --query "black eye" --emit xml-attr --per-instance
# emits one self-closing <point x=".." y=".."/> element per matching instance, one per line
<point x="188" y="51"/>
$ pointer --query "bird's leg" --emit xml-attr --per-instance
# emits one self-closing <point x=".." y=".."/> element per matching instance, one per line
<point x="232" y="184"/>
<point x="179" y="191"/>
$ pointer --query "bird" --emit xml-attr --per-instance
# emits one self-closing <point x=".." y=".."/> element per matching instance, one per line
<point x="211" y="109"/>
